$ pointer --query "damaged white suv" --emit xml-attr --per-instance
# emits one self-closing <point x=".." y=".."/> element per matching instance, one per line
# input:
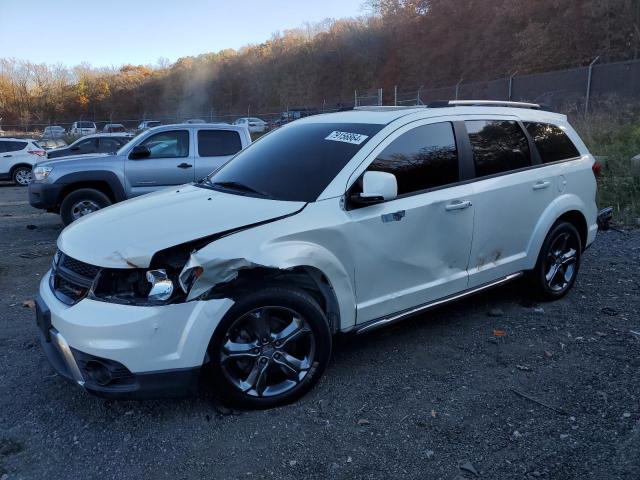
<point x="334" y="223"/>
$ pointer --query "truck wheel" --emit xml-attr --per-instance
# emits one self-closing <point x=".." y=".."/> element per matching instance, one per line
<point x="82" y="202"/>
<point x="558" y="263"/>
<point x="22" y="176"/>
<point x="270" y="348"/>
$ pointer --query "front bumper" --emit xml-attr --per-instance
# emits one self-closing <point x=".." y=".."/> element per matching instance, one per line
<point x="122" y="351"/>
<point x="44" y="195"/>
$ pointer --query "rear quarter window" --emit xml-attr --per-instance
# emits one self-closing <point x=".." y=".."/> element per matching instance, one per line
<point x="13" y="146"/>
<point x="218" y="143"/>
<point x="552" y="142"/>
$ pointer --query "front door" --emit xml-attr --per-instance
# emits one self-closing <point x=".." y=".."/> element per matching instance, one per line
<point x="170" y="163"/>
<point x="415" y="248"/>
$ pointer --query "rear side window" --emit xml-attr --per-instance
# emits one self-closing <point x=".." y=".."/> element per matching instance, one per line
<point x="216" y="143"/>
<point x="422" y="158"/>
<point x="13" y="146"/>
<point x="551" y="141"/>
<point x="498" y="146"/>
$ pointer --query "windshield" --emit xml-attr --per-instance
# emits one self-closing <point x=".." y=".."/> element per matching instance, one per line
<point x="295" y="163"/>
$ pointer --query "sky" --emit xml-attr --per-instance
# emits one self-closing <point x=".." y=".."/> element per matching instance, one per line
<point x="116" y="32"/>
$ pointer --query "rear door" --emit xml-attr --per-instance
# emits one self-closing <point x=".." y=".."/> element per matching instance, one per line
<point x="509" y="195"/>
<point x="213" y="148"/>
<point x="170" y="163"/>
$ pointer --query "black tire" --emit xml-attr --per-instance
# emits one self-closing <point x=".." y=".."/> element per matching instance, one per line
<point x="92" y="199"/>
<point x="227" y="376"/>
<point x="19" y="175"/>
<point x="560" y="253"/>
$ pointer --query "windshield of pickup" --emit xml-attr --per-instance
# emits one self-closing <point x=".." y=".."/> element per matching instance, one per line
<point x="294" y="163"/>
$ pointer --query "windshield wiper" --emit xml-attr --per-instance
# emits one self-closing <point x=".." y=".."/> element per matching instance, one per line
<point x="238" y="186"/>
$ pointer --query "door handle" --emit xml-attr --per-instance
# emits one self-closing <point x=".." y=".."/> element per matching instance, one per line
<point x="458" y="205"/>
<point x="541" y="185"/>
<point x="6" y="156"/>
<point x="185" y="165"/>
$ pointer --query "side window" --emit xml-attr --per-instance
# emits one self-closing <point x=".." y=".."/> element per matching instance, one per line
<point x="15" y="146"/>
<point x="498" y="146"/>
<point x="168" y="144"/>
<point x="3" y="147"/>
<point x="109" y="145"/>
<point x="216" y="143"/>
<point x="551" y="141"/>
<point x="422" y="158"/>
<point x="88" y="144"/>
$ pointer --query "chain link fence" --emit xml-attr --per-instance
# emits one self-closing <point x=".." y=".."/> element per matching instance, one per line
<point x="578" y="87"/>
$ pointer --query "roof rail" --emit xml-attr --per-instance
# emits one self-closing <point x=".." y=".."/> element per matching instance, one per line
<point x="482" y="103"/>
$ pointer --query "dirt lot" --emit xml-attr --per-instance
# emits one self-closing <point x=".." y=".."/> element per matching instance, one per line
<point x="434" y="397"/>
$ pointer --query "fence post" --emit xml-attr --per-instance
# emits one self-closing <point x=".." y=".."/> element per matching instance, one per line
<point x="458" y="88"/>
<point x="419" y="99"/>
<point x="588" y="94"/>
<point x="395" y="95"/>
<point x="511" y="84"/>
<point x="379" y="97"/>
<point x="355" y="98"/>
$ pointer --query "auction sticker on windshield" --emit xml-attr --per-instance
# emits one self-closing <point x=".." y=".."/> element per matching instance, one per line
<point x="346" y="137"/>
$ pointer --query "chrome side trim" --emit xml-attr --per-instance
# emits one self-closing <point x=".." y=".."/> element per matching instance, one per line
<point x="382" y="322"/>
<point x="63" y="347"/>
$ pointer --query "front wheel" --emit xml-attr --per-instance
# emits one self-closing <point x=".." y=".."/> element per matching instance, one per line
<point x="82" y="202"/>
<point x="558" y="263"/>
<point x="270" y="348"/>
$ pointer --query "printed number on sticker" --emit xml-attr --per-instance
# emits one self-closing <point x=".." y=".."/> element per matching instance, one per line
<point x="347" y="137"/>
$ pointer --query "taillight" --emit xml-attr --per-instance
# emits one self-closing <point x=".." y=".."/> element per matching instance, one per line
<point x="40" y="153"/>
<point x="597" y="169"/>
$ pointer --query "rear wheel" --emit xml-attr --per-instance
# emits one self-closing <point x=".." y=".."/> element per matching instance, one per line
<point x="82" y="202"/>
<point x="22" y="176"/>
<point x="558" y="263"/>
<point x="270" y="348"/>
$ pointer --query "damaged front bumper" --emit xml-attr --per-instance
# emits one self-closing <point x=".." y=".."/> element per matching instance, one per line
<point x="124" y="351"/>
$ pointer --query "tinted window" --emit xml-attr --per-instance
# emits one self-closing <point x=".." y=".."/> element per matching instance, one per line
<point x="551" y="141"/>
<point x="108" y="145"/>
<point x="86" y="125"/>
<point x="422" y="158"/>
<point x="498" y="146"/>
<point x="214" y="143"/>
<point x="296" y="162"/>
<point x="168" y="144"/>
<point x="13" y="146"/>
<point x="88" y="144"/>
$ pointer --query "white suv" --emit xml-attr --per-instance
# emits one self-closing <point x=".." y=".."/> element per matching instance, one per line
<point x="342" y="222"/>
<point x="17" y="157"/>
<point x="83" y="128"/>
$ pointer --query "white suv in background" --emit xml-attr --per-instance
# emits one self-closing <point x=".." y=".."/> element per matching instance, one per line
<point x="342" y="222"/>
<point x="17" y="157"/>
<point x="83" y="128"/>
<point x="255" y="125"/>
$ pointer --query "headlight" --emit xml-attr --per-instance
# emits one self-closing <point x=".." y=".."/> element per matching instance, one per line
<point x="188" y="277"/>
<point x="40" y="174"/>
<point x="136" y="287"/>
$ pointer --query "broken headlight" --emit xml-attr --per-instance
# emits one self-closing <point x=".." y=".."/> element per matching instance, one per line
<point x="137" y="287"/>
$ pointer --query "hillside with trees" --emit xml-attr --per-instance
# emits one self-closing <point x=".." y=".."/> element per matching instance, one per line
<point x="410" y="43"/>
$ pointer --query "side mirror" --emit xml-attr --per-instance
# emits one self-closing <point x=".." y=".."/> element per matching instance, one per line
<point x="376" y="188"/>
<point x="139" y="152"/>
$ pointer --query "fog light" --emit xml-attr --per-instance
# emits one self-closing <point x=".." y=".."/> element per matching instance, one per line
<point x="97" y="372"/>
<point x="161" y="285"/>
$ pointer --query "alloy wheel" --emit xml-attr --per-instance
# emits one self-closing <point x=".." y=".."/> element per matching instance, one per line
<point x="23" y="177"/>
<point x="84" y="207"/>
<point x="267" y="351"/>
<point x="561" y="262"/>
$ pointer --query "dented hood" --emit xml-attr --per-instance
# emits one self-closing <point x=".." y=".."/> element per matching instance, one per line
<point x="127" y="234"/>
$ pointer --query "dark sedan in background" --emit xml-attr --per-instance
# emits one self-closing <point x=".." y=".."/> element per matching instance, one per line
<point x="98" y="143"/>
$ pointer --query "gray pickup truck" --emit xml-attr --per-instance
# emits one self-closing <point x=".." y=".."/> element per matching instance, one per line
<point x="157" y="158"/>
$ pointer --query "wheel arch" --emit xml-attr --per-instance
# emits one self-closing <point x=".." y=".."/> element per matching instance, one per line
<point x="103" y="181"/>
<point x="566" y="207"/>
<point x="18" y="165"/>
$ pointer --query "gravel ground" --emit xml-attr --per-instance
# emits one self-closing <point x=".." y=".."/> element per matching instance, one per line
<point x="436" y="397"/>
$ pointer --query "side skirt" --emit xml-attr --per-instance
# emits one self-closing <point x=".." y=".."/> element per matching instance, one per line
<point x="396" y="317"/>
